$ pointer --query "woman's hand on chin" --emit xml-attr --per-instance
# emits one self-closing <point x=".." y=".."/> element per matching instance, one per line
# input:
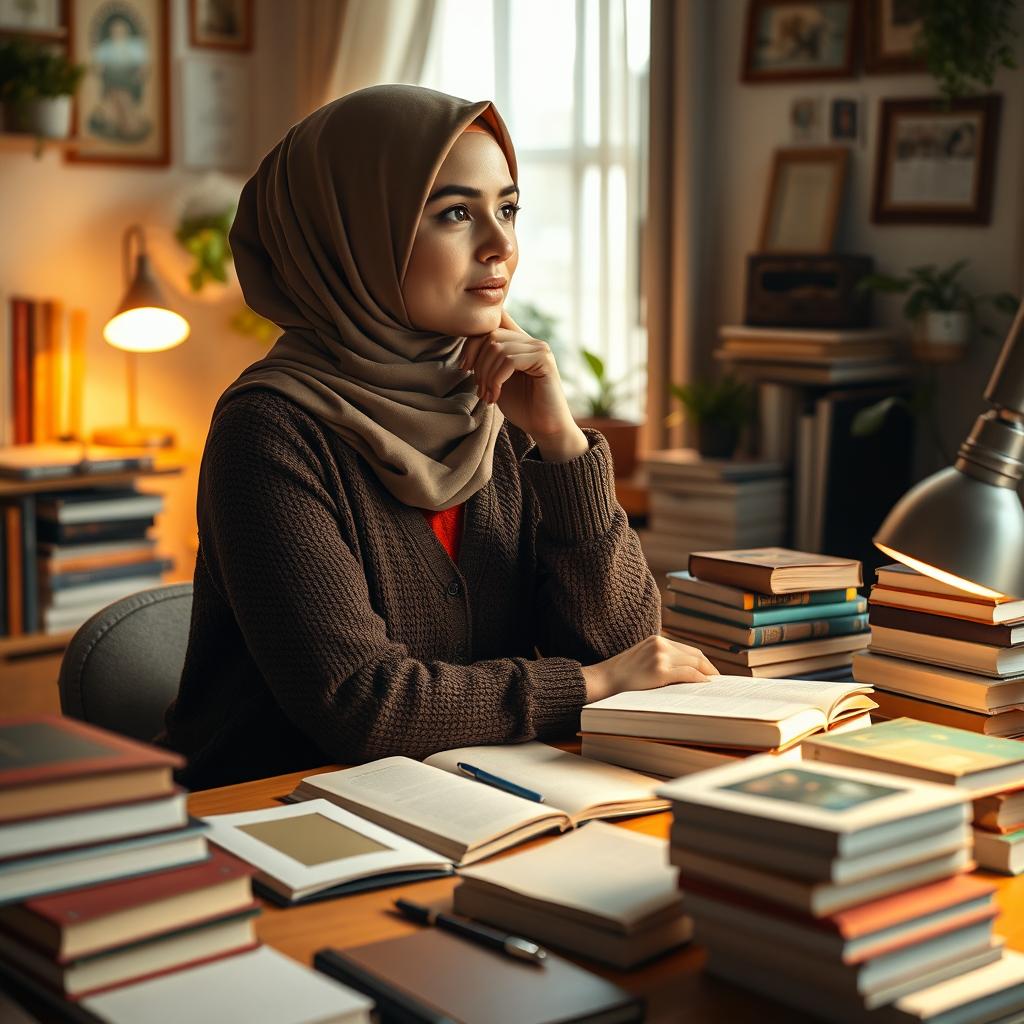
<point x="519" y="374"/>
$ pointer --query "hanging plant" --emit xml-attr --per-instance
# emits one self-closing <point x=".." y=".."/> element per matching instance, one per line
<point x="205" y="236"/>
<point x="965" y="42"/>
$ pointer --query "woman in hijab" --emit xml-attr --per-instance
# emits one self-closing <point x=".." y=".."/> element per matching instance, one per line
<point x="406" y="543"/>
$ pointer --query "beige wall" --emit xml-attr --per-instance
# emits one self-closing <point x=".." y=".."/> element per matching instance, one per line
<point x="61" y="237"/>
<point x="749" y="121"/>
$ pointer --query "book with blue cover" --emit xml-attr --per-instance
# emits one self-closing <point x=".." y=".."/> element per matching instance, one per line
<point x="769" y="616"/>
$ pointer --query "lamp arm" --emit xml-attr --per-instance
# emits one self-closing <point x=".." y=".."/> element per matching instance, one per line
<point x="1006" y="386"/>
<point x="132" y="231"/>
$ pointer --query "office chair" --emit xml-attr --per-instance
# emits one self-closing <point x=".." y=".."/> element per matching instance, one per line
<point x="122" y="667"/>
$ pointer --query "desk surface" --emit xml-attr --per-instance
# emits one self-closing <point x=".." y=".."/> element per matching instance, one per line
<point x="674" y="985"/>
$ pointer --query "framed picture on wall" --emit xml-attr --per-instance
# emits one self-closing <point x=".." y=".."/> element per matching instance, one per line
<point x="891" y="28"/>
<point x="936" y="163"/>
<point x="804" y="199"/>
<point x="220" y="24"/>
<point x="122" y="109"/>
<point x="41" y="20"/>
<point x="788" y="41"/>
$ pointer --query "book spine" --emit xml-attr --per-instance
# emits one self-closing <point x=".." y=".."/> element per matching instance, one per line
<point x="762" y="636"/>
<point x="77" y="578"/>
<point x="42" y="371"/>
<point x="774" y="616"/>
<point x="21" y="372"/>
<point x="14" y="573"/>
<point x="30" y="574"/>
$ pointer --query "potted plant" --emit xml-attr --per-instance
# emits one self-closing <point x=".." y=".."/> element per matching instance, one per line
<point x="939" y="306"/>
<point x="36" y="87"/>
<point x="720" y="408"/>
<point x="601" y="414"/>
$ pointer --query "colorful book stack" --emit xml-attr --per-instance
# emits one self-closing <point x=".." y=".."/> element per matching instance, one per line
<point x="988" y="769"/>
<point x="769" y="612"/>
<point x="697" y="503"/>
<point x="93" y="548"/>
<point x="840" y="891"/>
<point x="941" y="655"/>
<point x="104" y="879"/>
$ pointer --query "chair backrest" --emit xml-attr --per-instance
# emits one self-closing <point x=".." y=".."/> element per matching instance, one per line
<point x="122" y="667"/>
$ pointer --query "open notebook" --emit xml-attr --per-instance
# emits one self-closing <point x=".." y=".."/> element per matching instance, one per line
<point x="436" y="804"/>
<point x="729" y="711"/>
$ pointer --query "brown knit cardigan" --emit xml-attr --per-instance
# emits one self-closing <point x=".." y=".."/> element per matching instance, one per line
<point x="330" y="625"/>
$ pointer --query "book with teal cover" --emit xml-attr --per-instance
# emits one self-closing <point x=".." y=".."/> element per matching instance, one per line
<point x="770" y="616"/>
<point x="761" y="636"/>
<point x="905" y="746"/>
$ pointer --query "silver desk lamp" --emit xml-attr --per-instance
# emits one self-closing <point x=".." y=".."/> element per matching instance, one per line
<point x="965" y="525"/>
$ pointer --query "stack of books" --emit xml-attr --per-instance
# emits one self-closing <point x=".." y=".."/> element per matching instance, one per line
<point x="688" y="727"/>
<point x="697" y="503"/>
<point x="104" y="879"/>
<point x="941" y="655"/>
<point x="988" y="769"/>
<point x="853" y="895"/>
<point x="94" y="548"/>
<point x="769" y="612"/>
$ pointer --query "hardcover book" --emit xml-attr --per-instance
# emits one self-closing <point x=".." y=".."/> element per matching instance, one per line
<point x="775" y="570"/>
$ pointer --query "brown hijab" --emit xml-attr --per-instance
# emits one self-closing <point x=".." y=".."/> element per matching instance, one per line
<point x="321" y="242"/>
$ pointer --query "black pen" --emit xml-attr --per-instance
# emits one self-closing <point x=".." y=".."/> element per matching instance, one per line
<point x="510" y="945"/>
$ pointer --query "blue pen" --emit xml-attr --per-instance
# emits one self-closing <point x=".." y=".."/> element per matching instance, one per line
<point x="499" y="783"/>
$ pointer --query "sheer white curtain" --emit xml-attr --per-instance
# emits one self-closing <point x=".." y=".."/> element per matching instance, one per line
<point x="570" y="79"/>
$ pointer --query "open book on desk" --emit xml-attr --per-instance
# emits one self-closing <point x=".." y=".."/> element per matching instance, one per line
<point x="729" y="711"/>
<point x="435" y="803"/>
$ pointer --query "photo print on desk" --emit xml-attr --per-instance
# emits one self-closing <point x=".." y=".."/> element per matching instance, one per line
<point x="122" y="110"/>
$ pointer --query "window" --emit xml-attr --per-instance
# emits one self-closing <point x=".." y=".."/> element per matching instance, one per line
<point x="570" y="79"/>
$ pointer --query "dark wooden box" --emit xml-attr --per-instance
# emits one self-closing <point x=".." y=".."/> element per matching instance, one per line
<point x="807" y="290"/>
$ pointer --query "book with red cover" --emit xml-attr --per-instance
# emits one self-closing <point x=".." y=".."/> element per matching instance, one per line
<point x="21" y="370"/>
<point x="888" y="615"/>
<point x="87" y="921"/>
<point x="49" y="764"/>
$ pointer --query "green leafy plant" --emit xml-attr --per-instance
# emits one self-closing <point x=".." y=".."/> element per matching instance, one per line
<point x="727" y="400"/>
<point x="965" y="42"/>
<point x="603" y="403"/>
<point x="29" y="71"/>
<point x="205" y="236"/>
<point x="929" y="289"/>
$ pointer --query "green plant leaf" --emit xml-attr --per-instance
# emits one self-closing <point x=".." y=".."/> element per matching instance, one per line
<point x="596" y="364"/>
<point x="869" y="421"/>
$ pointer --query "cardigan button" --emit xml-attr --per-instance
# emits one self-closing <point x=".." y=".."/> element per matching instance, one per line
<point x="454" y="589"/>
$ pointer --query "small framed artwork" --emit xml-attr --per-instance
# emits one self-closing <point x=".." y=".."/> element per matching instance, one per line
<point x="844" y="120"/>
<point x="804" y="199"/>
<point x="220" y="24"/>
<point x="935" y="162"/>
<point x="805" y="119"/>
<point x="891" y="28"/>
<point x="790" y="41"/>
<point x="122" y="109"/>
<point x="40" y="20"/>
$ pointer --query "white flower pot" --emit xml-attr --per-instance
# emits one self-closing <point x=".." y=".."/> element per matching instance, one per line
<point x="942" y="336"/>
<point x="50" y="118"/>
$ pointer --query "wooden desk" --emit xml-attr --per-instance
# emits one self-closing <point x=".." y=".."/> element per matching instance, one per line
<point x="674" y="985"/>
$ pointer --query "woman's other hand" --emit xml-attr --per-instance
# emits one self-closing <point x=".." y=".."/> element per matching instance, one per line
<point x="656" y="661"/>
<point x="519" y="374"/>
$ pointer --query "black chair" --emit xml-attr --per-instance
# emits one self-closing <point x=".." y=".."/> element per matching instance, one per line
<point x="122" y="667"/>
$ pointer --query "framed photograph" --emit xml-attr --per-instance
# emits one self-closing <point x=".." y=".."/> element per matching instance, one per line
<point x="220" y="24"/>
<point x="122" y="110"/>
<point x="42" y="20"/>
<point x="843" y="121"/>
<point x="217" y="122"/>
<point x="804" y="199"/>
<point x="788" y="41"/>
<point x="805" y="120"/>
<point x="936" y="163"/>
<point x="890" y="31"/>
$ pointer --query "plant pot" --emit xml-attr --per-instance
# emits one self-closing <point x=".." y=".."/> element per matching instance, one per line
<point x="717" y="439"/>
<point x="622" y="437"/>
<point x="941" y="336"/>
<point x="50" y="117"/>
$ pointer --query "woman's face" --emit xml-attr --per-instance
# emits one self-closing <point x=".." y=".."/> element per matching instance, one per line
<point x="465" y="238"/>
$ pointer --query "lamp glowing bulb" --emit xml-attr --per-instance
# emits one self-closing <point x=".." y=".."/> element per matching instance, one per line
<point x="146" y="329"/>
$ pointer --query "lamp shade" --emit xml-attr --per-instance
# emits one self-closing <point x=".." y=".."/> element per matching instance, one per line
<point x="143" y="322"/>
<point x="961" y="530"/>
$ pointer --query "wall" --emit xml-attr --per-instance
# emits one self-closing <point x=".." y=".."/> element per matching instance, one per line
<point x="750" y="121"/>
<point x="61" y="237"/>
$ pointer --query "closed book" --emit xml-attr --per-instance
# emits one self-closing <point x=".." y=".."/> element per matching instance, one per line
<point x="768" y="616"/>
<point x="977" y="765"/>
<point x="794" y="650"/>
<point x="1002" y="853"/>
<point x="86" y="865"/>
<point x="762" y="636"/>
<point x="749" y="600"/>
<point x="108" y="504"/>
<point x="839" y="338"/>
<point x="902" y="577"/>
<point x="52" y="461"/>
<point x="775" y="570"/>
<point x="71" y="579"/>
<point x="969" y="608"/>
<point x="804" y="668"/>
<point x="1001" y="812"/>
<point x="50" y="764"/>
<point x="70" y="925"/>
<point x="687" y="463"/>
<point x="260" y="987"/>
<point x="809" y="352"/>
<point x="158" y="954"/>
<point x="982" y="659"/>
<point x="433" y="976"/>
<point x="898" y="705"/>
<point x="132" y="553"/>
<point x="604" y="892"/>
<point x="968" y="630"/>
<point x="57" y="555"/>
<point x="21" y="369"/>
<point x="93" y="532"/>
<point x="103" y="591"/>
